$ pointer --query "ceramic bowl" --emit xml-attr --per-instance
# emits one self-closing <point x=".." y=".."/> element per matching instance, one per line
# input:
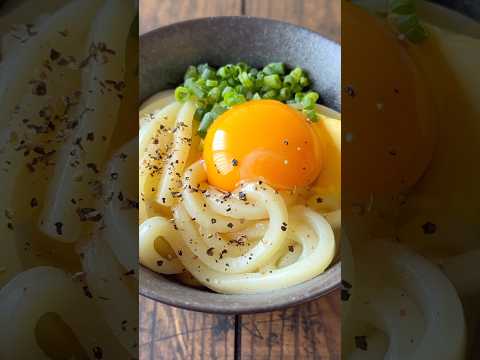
<point x="165" y="53"/>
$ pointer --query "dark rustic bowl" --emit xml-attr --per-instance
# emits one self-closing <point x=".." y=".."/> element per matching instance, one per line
<point x="165" y="54"/>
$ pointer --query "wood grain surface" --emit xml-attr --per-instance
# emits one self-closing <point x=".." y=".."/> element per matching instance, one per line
<point x="322" y="16"/>
<point x="309" y="331"/>
<point x="155" y="13"/>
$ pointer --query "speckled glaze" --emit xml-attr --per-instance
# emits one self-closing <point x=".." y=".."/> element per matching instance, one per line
<point x="165" y="54"/>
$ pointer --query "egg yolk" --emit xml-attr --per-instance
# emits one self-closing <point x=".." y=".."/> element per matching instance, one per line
<point x="262" y="140"/>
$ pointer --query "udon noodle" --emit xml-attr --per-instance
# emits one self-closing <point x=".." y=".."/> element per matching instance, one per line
<point x="69" y="256"/>
<point x="251" y="240"/>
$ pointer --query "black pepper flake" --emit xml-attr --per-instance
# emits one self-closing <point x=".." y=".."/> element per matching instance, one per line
<point x="89" y="214"/>
<point x="214" y="221"/>
<point x="234" y="162"/>
<point x="351" y="91"/>
<point x="180" y="253"/>
<point x="54" y="54"/>
<point x="345" y="295"/>
<point x="114" y="176"/>
<point x="33" y="202"/>
<point x="361" y="342"/>
<point x="291" y="248"/>
<point x="242" y="196"/>
<point x="429" y="228"/>
<point x="283" y="227"/>
<point x="210" y="251"/>
<point x="319" y="200"/>
<point x="93" y="167"/>
<point x="159" y="263"/>
<point x="97" y="352"/>
<point x="230" y="225"/>
<point x="39" y="88"/>
<point x="86" y="292"/>
<point x="124" y="325"/>
<point x="58" y="228"/>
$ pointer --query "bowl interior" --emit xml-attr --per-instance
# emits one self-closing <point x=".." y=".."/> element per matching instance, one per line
<point x="164" y="56"/>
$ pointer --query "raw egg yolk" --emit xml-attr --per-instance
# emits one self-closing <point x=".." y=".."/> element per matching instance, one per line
<point x="262" y="140"/>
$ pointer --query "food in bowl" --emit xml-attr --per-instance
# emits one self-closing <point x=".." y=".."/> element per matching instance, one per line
<point x="411" y="215"/>
<point x="68" y="258"/>
<point x="239" y="179"/>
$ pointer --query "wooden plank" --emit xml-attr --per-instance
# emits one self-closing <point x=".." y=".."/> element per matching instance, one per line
<point x="155" y="13"/>
<point x="309" y="331"/>
<point x="170" y="333"/>
<point x="322" y="16"/>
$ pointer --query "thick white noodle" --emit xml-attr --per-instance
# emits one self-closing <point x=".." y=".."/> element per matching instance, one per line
<point x="15" y="91"/>
<point x="246" y="241"/>
<point x="259" y="255"/>
<point x="246" y="283"/>
<point x="100" y="118"/>
<point x="121" y="221"/>
<point x="113" y="289"/>
<point x="419" y="303"/>
<point x="171" y="181"/>
<point x="33" y="293"/>
<point x="150" y="230"/>
<point x="152" y="104"/>
<point x="38" y="291"/>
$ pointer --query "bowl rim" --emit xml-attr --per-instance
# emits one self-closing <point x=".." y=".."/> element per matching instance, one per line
<point x="245" y="309"/>
<point x="234" y="17"/>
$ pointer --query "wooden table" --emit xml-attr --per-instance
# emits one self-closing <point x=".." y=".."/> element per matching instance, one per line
<point x="309" y="331"/>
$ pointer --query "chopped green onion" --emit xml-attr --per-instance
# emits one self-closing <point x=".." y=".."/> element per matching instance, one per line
<point x="311" y="115"/>
<point x="196" y="89"/>
<point x="211" y="83"/>
<point x="182" y="94"/>
<point x="208" y="74"/>
<point x="227" y="90"/>
<point x="233" y="98"/>
<point x="191" y="72"/>
<point x="274" y="68"/>
<point x="403" y="15"/>
<point x="225" y="71"/>
<point x="310" y="99"/>
<point x="297" y="73"/>
<point x="299" y="97"/>
<point x="214" y="95"/>
<point x="217" y="90"/>
<point x="246" y="80"/>
<point x="285" y="94"/>
<point x="272" y="82"/>
<point x="304" y="81"/>
<point x="207" y="120"/>
<point x="289" y="80"/>
<point x="271" y="94"/>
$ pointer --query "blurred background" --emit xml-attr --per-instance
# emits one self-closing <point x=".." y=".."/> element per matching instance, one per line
<point x="309" y="331"/>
